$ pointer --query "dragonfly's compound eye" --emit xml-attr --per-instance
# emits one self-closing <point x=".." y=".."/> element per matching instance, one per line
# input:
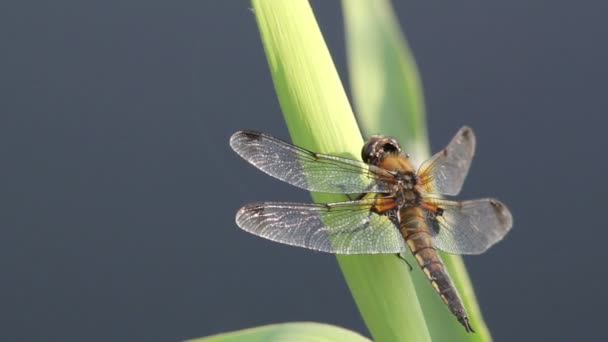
<point x="378" y="147"/>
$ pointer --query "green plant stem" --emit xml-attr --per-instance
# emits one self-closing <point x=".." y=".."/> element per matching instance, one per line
<point x="319" y="118"/>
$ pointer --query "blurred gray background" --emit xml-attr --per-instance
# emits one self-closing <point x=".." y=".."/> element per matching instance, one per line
<point x="118" y="187"/>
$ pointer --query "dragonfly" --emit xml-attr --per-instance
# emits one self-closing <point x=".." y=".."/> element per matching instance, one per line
<point x="395" y="207"/>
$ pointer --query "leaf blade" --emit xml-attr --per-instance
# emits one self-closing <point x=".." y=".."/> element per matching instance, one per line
<point x="380" y="59"/>
<point x="320" y="118"/>
<point x="293" y="331"/>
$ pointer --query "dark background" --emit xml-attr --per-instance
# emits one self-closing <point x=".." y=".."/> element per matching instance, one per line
<point x="118" y="189"/>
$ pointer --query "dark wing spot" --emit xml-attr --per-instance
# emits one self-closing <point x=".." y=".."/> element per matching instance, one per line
<point x="502" y="213"/>
<point x="252" y="135"/>
<point x="432" y="220"/>
<point x="467" y="132"/>
<point x="254" y="208"/>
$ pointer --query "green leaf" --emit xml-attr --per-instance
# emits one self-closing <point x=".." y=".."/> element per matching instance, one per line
<point x="320" y="118"/>
<point x="384" y="78"/>
<point x="292" y="332"/>
<point x="389" y="100"/>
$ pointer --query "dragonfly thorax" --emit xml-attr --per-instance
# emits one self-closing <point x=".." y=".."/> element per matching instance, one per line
<point x="407" y="178"/>
<point x="408" y="197"/>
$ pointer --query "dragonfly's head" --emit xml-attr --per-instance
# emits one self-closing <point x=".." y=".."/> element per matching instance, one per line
<point x="379" y="147"/>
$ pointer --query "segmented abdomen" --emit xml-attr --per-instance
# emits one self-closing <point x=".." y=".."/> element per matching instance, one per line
<point x="418" y="237"/>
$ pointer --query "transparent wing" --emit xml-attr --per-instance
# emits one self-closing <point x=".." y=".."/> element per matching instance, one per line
<point x="445" y="172"/>
<point x="309" y="170"/>
<point x="469" y="227"/>
<point x="341" y="228"/>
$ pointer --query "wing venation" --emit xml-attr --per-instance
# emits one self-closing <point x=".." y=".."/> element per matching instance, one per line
<point x="309" y="170"/>
<point x="446" y="171"/>
<point x="469" y="227"/>
<point x="341" y="228"/>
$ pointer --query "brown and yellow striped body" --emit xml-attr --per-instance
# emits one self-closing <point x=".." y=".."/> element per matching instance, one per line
<point x="385" y="152"/>
<point x="417" y="235"/>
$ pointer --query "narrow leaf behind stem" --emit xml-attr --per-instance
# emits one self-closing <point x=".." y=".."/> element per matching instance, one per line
<point x="388" y="96"/>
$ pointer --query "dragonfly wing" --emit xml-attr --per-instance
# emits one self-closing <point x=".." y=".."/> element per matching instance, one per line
<point x="469" y="227"/>
<point x="341" y="228"/>
<point x="309" y="170"/>
<point x="445" y="172"/>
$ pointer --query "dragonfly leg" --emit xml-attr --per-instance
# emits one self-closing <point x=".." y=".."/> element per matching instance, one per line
<point x="400" y="256"/>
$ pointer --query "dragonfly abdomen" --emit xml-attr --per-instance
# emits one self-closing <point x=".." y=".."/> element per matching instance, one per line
<point x="420" y="242"/>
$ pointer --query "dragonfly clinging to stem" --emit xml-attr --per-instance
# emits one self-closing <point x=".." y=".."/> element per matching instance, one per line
<point x="397" y="207"/>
